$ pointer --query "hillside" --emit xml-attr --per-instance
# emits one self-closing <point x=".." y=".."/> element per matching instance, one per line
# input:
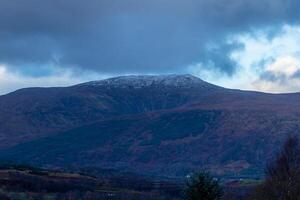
<point x="35" y="112"/>
<point x="156" y="125"/>
<point x="23" y="183"/>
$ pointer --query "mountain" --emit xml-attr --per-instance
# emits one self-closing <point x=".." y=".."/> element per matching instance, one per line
<point x="36" y="112"/>
<point x="166" y="125"/>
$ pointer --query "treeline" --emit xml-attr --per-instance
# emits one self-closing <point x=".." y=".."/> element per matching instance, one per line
<point x="18" y="182"/>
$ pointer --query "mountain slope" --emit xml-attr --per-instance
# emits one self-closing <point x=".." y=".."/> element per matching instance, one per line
<point x="35" y="112"/>
<point x="171" y="143"/>
<point x="162" y="125"/>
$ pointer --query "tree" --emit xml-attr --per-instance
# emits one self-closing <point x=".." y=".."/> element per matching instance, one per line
<point x="202" y="186"/>
<point x="283" y="175"/>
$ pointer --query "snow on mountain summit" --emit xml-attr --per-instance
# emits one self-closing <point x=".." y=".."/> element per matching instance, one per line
<point x="139" y="81"/>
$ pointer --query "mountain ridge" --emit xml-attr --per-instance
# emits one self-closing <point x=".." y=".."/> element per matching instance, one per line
<point x="138" y="81"/>
<point x="156" y="128"/>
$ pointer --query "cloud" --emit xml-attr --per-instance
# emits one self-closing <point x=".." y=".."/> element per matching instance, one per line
<point x="285" y="66"/>
<point x="280" y="76"/>
<point x="276" y="64"/>
<point x="10" y="81"/>
<point x="229" y="42"/>
<point x="132" y="36"/>
<point x="269" y="64"/>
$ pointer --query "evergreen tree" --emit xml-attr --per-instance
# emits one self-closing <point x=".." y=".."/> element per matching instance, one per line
<point x="202" y="186"/>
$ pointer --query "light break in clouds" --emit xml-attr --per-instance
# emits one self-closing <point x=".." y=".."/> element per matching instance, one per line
<point x="266" y="64"/>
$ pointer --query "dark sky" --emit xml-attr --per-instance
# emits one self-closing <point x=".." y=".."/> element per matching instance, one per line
<point x="133" y="36"/>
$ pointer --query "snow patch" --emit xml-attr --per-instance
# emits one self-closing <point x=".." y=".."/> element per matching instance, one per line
<point x="140" y="81"/>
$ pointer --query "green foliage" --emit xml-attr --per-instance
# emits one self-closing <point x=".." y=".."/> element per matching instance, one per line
<point x="202" y="186"/>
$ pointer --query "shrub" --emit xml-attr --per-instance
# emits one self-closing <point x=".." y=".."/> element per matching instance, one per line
<point x="282" y="175"/>
<point x="202" y="186"/>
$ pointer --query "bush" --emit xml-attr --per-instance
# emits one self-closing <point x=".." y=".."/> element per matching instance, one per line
<point x="283" y="175"/>
<point x="202" y="186"/>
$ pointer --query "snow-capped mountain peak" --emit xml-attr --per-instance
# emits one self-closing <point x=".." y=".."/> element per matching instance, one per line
<point x="139" y="81"/>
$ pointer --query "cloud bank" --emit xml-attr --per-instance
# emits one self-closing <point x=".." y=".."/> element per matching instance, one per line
<point x="10" y="81"/>
<point x="132" y="36"/>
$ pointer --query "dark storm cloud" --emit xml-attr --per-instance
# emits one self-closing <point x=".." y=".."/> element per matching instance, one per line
<point x="125" y="36"/>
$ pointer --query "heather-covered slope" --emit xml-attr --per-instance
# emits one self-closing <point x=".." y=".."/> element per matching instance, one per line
<point x="171" y="143"/>
<point x="163" y="125"/>
<point x="35" y="112"/>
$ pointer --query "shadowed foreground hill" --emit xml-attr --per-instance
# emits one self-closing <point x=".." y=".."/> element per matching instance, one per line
<point x="23" y="183"/>
<point x="162" y="125"/>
